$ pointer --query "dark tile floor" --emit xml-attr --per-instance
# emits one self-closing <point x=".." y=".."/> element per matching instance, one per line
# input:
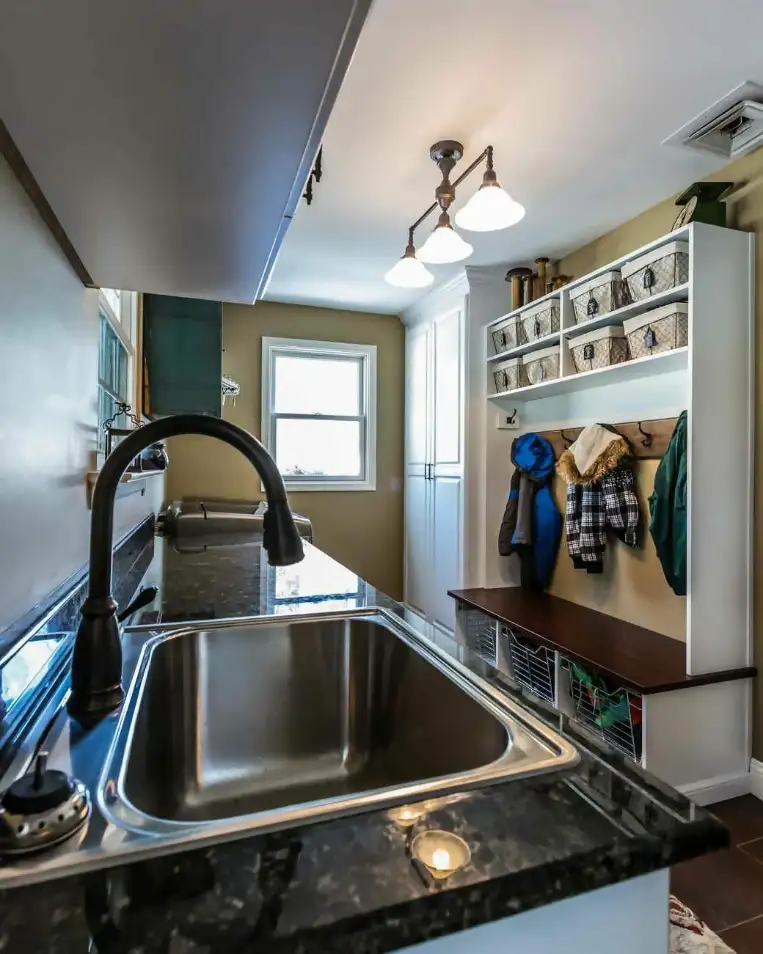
<point x="725" y="889"/>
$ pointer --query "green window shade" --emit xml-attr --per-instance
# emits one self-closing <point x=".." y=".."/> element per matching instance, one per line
<point x="182" y="340"/>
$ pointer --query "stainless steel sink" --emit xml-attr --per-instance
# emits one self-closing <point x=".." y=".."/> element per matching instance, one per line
<point x="265" y="723"/>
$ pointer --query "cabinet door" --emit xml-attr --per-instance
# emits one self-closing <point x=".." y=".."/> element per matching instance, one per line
<point x="448" y="399"/>
<point x="417" y="400"/>
<point x="447" y="484"/>
<point x="182" y="340"/>
<point x="418" y="543"/>
<point x="418" y="523"/>
<point x="447" y="508"/>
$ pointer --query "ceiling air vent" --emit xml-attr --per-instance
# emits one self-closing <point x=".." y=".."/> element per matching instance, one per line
<point x="729" y="128"/>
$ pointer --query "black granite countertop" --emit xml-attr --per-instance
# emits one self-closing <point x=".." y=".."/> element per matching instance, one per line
<point x="349" y="884"/>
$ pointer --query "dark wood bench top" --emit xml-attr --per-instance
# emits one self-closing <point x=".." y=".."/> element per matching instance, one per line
<point x="635" y="657"/>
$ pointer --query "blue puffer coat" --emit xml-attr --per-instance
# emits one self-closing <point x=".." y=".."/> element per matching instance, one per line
<point x="532" y="524"/>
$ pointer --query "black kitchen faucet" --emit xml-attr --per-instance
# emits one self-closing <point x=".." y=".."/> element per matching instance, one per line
<point x="97" y="662"/>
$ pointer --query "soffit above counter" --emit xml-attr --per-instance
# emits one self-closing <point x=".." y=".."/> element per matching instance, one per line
<point x="157" y="136"/>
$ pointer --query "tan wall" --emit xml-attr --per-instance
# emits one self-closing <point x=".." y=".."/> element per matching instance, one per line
<point x="362" y="530"/>
<point x="745" y="212"/>
<point x="632" y="586"/>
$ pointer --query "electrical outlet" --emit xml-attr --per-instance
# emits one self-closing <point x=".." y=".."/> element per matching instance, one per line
<point x="507" y="422"/>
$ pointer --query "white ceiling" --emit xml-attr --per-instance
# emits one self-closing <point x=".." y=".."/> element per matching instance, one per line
<point x="575" y="97"/>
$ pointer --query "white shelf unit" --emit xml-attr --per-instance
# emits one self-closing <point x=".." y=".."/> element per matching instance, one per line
<point x="626" y="371"/>
<point x="696" y="738"/>
<point x="569" y="379"/>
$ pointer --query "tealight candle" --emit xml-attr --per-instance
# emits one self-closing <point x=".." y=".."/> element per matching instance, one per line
<point x="407" y="815"/>
<point x="441" y="852"/>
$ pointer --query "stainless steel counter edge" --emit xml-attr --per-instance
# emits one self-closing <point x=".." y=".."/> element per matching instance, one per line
<point x="88" y="756"/>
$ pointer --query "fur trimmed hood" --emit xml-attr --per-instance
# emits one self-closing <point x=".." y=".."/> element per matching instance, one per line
<point x="596" y="452"/>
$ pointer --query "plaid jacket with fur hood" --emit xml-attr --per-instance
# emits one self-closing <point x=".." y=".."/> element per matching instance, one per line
<point x="601" y="495"/>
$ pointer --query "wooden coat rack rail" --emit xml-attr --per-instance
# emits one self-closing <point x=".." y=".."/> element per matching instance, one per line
<point x="648" y="439"/>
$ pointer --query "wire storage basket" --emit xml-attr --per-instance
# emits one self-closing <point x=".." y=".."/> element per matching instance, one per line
<point x="507" y="335"/>
<point x="543" y="365"/>
<point x="478" y="633"/>
<point x="508" y="375"/>
<point x="657" y="271"/>
<point x="540" y="321"/>
<point x="661" y="329"/>
<point x="613" y="715"/>
<point x="533" y="665"/>
<point x="599" y="348"/>
<point x="597" y="297"/>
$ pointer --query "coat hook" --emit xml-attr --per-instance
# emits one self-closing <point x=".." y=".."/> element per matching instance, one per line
<point x="567" y="441"/>
<point x="511" y="418"/>
<point x="647" y="441"/>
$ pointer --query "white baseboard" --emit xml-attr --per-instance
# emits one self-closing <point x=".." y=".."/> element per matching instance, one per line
<point x="756" y="778"/>
<point x="722" y="787"/>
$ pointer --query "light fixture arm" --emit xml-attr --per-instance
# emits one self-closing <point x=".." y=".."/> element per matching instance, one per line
<point x="490" y="208"/>
<point x="446" y="191"/>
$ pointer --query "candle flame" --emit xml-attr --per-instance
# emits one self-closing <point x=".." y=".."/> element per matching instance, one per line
<point x="441" y="859"/>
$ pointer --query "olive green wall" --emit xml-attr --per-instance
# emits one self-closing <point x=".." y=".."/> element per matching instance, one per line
<point x="745" y="212"/>
<point x="361" y="529"/>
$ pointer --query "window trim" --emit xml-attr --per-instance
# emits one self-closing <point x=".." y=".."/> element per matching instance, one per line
<point x="274" y="346"/>
<point x="126" y="329"/>
<point x="126" y="326"/>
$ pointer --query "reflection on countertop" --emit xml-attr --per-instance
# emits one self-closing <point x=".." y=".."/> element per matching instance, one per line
<point x="236" y="580"/>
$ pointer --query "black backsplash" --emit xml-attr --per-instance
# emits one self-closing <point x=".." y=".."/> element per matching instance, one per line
<point x="45" y="635"/>
<point x="132" y="552"/>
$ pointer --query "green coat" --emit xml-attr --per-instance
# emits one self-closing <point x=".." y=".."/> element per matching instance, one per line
<point x="668" y="508"/>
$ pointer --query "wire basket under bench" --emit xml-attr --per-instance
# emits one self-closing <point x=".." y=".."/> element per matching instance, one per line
<point x="613" y="714"/>
<point x="533" y="665"/>
<point x="477" y="631"/>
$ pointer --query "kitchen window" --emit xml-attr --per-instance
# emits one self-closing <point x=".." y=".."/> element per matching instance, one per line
<point x="118" y="318"/>
<point x="319" y="412"/>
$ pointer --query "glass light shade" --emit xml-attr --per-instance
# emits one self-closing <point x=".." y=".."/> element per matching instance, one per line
<point x="443" y="246"/>
<point x="489" y="209"/>
<point x="408" y="272"/>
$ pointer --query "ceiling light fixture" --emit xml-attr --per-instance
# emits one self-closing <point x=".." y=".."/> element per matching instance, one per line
<point x="408" y="271"/>
<point x="490" y="209"/>
<point x="444" y="245"/>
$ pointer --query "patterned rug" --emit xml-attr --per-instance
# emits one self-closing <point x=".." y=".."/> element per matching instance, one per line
<point x="689" y="935"/>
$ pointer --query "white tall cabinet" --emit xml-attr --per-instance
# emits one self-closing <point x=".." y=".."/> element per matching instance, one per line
<point x="434" y="459"/>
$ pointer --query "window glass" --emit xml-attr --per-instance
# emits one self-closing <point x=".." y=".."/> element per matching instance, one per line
<point x="318" y="448"/>
<point x="113" y="378"/>
<point x="114" y="298"/>
<point x="317" y="385"/>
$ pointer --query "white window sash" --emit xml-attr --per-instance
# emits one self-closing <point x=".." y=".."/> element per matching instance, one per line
<point x="366" y="354"/>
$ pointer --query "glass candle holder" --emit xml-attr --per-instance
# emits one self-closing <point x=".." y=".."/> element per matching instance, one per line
<point x="441" y="852"/>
